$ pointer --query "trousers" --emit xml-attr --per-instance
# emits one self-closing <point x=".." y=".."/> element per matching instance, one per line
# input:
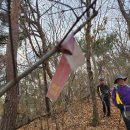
<point x="126" y="121"/>
<point x="106" y="105"/>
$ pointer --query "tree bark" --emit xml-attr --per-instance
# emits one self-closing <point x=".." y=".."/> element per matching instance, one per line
<point x="11" y="100"/>
<point x="45" y="65"/>
<point x="95" y="119"/>
<point x="48" y="110"/>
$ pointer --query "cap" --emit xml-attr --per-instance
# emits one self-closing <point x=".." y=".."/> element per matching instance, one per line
<point x="119" y="77"/>
<point x="101" y="79"/>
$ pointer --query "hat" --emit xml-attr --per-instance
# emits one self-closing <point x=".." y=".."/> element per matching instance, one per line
<point x="101" y="79"/>
<point x="120" y="77"/>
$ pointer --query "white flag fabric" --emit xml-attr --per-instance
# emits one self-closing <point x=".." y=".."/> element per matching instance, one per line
<point x="76" y="59"/>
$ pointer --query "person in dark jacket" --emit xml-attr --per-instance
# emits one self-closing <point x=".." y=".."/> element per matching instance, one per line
<point x="104" y="94"/>
<point x="121" y="98"/>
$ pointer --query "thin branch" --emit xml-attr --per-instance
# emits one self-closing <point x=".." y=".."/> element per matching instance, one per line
<point x="38" y="12"/>
<point x="66" y="6"/>
<point x="62" y="11"/>
<point x="87" y="21"/>
<point x="87" y="9"/>
<point x="82" y="2"/>
<point x="4" y="9"/>
<point x="125" y="15"/>
<point x="47" y="10"/>
<point x="122" y="9"/>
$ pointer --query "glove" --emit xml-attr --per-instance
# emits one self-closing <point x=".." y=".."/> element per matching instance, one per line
<point x="121" y="107"/>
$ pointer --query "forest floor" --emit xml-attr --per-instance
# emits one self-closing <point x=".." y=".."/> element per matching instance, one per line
<point x="78" y="117"/>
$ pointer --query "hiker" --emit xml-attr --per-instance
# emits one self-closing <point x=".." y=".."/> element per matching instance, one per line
<point x="104" y="94"/>
<point x="121" y="98"/>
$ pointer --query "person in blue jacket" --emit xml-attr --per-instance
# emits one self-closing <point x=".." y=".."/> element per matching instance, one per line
<point x="121" y="98"/>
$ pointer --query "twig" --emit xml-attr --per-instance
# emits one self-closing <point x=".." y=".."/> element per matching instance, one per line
<point x="4" y="9"/>
<point x="87" y="21"/>
<point x="66" y="6"/>
<point x="62" y="11"/>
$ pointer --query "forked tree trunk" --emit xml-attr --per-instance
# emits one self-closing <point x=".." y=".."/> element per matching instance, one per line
<point x="11" y="100"/>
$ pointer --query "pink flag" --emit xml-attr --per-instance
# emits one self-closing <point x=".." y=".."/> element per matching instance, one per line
<point x="70" y="61"/>
<point x="60" y="77"/>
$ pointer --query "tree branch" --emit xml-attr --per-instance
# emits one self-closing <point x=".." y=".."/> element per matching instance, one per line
<point x="125" y="15"/>
<point x="66" y="6"/>
<point x="122" y="9"/>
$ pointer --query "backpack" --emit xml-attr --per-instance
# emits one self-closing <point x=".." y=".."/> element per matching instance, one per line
<point x="126" y="112"/>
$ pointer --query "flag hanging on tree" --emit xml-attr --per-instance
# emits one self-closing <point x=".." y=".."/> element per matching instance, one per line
<point x="71" y="59"/>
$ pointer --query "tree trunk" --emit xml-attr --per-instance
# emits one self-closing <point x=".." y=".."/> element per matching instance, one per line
<point x="11" y="100"/>
<point x="95" y="119"/>
<point x="46" y="68"/>
<point x="45" y="90"/>
<point x="95" y="69"/>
